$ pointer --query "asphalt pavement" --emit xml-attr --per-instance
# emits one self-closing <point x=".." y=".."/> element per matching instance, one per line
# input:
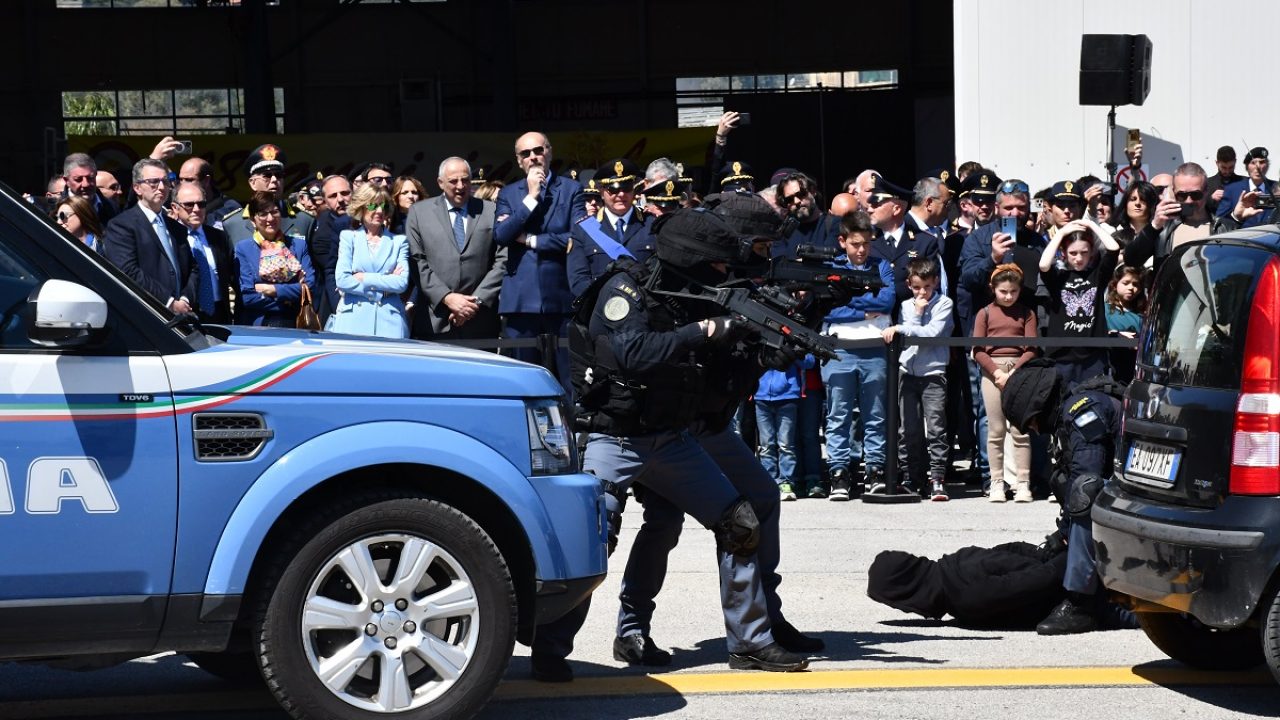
<point x="879" y="662"/>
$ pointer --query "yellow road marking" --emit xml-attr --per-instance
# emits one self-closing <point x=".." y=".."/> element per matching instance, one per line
<point x="757" y="682"/>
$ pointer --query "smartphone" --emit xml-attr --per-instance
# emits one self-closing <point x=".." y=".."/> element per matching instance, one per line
<point x="1037" y="205"/>
<point x="1134" y="139"/>
<point x="184" y="149"/>
<point x="744" y="119"/>
<point x="1266" y="200"/>
<point x="1009" y="226"/>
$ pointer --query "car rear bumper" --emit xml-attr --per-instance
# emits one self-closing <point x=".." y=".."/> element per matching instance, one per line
<point x="1212" y="563"/>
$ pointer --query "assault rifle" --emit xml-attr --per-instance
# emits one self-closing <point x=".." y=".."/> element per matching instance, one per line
<point x="765" y="310"/>
<point x="811" y="271"/>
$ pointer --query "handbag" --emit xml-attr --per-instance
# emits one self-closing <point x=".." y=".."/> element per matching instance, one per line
<point x="307" y="317"/>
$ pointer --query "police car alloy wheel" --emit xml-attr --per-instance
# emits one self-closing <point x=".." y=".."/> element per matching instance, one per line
<point x="399" y="608"/>
<point x="1193" y="643"/>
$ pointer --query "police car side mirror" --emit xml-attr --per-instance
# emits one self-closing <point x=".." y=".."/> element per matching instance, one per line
<point x="64" y="314"/>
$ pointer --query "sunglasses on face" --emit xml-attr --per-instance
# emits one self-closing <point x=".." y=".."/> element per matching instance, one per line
<point x="64" y="216"/>
<point x="269" y="174"/>
<point x="1192" y="195"/>
<point x="190" y="206"/>
<point x="795" y="197"/>
<point x="153" y="182"/>
<point x="539" y="150"/>
<point x="375" y="207"/>
<point x="380" y="179"/>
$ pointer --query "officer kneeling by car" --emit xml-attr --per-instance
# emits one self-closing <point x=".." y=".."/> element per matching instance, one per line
<point x="639" y="370"/>
<point x="1084" y="426"/>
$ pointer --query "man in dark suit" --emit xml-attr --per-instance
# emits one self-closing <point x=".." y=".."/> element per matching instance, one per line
<point x="213" y="260"/>
<point x="80" y="173"/>
<point x="323" y="244"/>
<point x="148" y="246"/>
<point x="1256" y="163"/>
<point x="459" y="265"/>
<point x="534" y="218"/>
<point x="1226" y="161"/>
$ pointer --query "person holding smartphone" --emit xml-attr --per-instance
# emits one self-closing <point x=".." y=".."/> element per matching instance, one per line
<point x="1179" y="217"/>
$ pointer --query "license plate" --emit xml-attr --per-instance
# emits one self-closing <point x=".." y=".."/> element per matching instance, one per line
<point x="1149" y="460"/>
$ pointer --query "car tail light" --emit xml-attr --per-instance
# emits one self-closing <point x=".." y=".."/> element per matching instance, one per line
<point x="1255" y="445"/>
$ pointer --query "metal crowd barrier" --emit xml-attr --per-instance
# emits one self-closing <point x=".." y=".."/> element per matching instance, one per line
<point x="548" y="344"/>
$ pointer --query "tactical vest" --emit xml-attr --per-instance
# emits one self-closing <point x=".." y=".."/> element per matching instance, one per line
<point x="615" y="402"/>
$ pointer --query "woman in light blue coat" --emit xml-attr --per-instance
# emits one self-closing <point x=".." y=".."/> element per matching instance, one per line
<point x="373" y="270"/>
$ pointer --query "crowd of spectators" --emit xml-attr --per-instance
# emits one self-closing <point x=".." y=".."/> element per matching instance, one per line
<point x="964" y="253"/>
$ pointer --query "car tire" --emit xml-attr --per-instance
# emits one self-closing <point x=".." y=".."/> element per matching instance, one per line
<point x="394" y="607"/>
<point x="237" y="667"/>
<point x="1193" y="643"/>
<point x="1270" y="634"/>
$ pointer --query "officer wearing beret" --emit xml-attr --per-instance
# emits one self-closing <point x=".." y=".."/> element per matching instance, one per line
<point x="1256" y="162"/>
<point x="639" y="377"/>
<point x="618" y="229"/>
<point x="265" y="168"/>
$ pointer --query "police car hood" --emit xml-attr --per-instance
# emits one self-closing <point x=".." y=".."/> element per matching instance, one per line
<point x="273" y="361"/>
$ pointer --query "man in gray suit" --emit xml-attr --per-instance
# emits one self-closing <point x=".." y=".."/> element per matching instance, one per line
<point x="460" y="267"/>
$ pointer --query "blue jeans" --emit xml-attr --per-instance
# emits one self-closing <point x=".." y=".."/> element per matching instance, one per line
<point x="980" y="417"/>
<point x="776" y="429"/>
<point x="813" y="412"/>
<point x="855" y="379"/>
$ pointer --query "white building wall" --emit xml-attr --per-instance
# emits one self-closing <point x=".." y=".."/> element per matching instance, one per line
<point x="1017" y="65"/>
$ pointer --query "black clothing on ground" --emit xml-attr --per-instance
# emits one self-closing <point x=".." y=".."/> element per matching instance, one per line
<point x="1013" y="585"/>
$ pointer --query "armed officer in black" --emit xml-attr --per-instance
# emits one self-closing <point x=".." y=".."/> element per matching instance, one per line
<point x="640" y="352"/>
<point x="1084" y="425"/>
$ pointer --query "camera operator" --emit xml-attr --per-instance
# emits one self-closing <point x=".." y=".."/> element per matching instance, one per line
<point x="1180" y="217"/>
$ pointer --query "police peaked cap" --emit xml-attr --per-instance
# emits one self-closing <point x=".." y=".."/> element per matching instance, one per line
<point x="692" y="236"/>
<point x="620" y="174"/>
<point x="667" y="190"/>
<point x="1032" y="391"/>
<point x="983" y="182"/>
<point x="947" y="177"/>
<point x="748" y="215"/>
<point x="736" y="173"/>
<point x="884" y="190"/>
<point x="264" y="157"/>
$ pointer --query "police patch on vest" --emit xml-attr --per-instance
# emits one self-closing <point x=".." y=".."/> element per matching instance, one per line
<point x="616" y="309"/>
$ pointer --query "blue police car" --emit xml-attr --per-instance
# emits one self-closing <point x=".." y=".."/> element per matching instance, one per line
<point x="370" y="525"/>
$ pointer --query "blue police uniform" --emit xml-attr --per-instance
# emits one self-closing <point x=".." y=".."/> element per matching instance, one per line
<point x="1089" y="429"/>
<point x="589" y="257"/>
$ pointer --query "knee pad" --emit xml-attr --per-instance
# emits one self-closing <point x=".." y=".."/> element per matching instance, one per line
<point x="738" y="530"/>
<point x="1083" y="491"/>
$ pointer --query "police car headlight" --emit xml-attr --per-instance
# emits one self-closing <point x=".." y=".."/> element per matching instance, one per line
<point x="551" y="449"/>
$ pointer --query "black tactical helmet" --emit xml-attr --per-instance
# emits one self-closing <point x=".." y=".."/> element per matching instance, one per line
<point x="693" y="236"/>
<point x="1032" y="393"/>
<point x="748" y="215"/>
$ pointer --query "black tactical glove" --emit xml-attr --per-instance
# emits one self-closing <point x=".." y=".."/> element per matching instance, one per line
<point x="779" y="358"/>
<point x="726" y="330"/>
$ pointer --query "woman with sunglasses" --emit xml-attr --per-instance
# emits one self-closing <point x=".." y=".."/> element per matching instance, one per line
<point x="76" y="216"/>
<point x="407" y="191"/>
<point x="273" y="267"/>
<point x="373" y="269"/>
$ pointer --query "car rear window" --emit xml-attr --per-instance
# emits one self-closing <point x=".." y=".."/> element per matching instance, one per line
<point x="1199" y="315"/>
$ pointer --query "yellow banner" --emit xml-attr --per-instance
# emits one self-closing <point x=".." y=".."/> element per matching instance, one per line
<point x="417" y="154"/>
